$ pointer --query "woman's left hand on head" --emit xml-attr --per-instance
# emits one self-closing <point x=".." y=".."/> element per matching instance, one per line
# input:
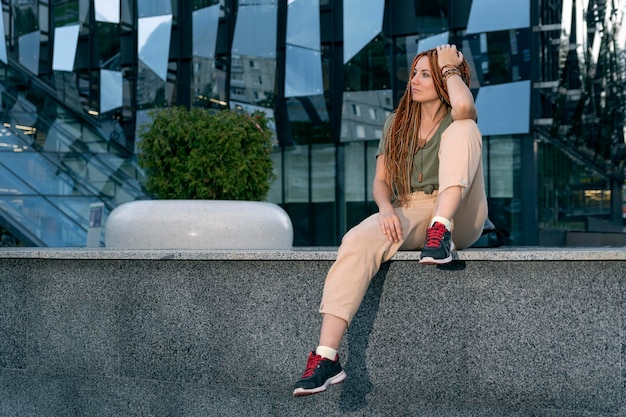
<point x="448" y="55"/>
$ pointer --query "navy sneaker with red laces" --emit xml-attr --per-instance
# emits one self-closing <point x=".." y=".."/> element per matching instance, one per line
<point x="319" y="374"/>
<point x="438" y="247"/>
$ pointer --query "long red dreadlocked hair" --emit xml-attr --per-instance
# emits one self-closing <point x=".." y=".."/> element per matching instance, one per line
<point x="401" y="143"/>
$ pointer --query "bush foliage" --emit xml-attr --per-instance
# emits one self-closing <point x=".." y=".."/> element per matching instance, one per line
<point x="204" y="154"/>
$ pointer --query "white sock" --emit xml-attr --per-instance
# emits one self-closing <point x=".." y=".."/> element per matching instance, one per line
<point x="443" y="221"/>
<point x="326" y="352"/>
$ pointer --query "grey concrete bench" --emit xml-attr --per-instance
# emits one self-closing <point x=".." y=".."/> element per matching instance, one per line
<point x="508" y="331"/>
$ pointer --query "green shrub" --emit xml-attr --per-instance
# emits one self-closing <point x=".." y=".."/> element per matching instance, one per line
<point x="204" y="154"/>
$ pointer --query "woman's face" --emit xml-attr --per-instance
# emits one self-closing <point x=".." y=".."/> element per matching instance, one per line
<point x="422" y="84"/>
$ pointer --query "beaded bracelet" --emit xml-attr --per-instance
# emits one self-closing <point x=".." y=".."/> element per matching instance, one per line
<point x="448" y="66"/>
<point x="450" y="72"/>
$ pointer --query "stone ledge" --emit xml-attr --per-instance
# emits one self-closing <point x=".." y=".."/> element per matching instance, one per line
<point x="502" y="254"/>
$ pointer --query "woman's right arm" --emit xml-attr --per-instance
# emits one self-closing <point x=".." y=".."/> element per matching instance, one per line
<point x="387" y="217"/>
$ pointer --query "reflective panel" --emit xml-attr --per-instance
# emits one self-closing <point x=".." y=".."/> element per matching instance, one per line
<point x="109" y="45"/>
<point x="492" y="15"/>
<point x="303" y="72"/>
<point x="83" y="10"/>
<point x="431" y="42"/>
<point x="65" y="14"/>
<point x="257" y="2"/>
<point x="323" y="173"/>
<point x="29" y="51"/>
<point x="153" y="43"/>
<point x="107" y="11"/>
<point x="65" y="43"/>
<point x="10" y="184"/>
<point x="205" y="22"/>
<point x="500" y="57"/>
<point x="3" y="45"/>
<point x="371" y="68"/>
<point x="39" y="173"/>
<point x="362" y="22"/>
<point x="111" y="94"/>
<point x="148" y="8"/>
<point x="255" y="31"/>
<point x="303" y="24"/>
<point x="303" y="67"/>
<point x="45" y="221"/>
<point x="498" y="114"/>
<point x="363" y="114"/>
<point x="253" y="60"/>
<point x="308" y="119"/>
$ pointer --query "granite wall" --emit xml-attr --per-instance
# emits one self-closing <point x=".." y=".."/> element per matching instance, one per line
<point x="196" y="333"/>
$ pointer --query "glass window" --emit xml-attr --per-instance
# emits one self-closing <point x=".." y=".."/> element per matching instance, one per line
<point x="308" y="119"/>
<point x="107" y="11"/>
<point x="65" y="13"/>
<point x="498" y="114"/>
<point x="254" y="56"/>
<point x="28" y="46"/>
<point x="65" y="44"/>
<point x="303" y="72"/>
<point x="148" y="8"/>
<point x="111" y="94"/>
<point x="357" y="122"/>
<point x="362" y="22"/>
<point x="153" y="43"/>
<point x="489" y="15"/>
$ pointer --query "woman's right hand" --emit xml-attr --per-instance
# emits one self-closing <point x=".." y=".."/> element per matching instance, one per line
<point x="390" y="225"/>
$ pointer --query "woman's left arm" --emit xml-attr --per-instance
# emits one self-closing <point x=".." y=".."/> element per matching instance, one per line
<point x="461" y="98"/>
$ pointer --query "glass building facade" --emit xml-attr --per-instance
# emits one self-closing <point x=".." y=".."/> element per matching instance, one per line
<point x="78" y="78"/>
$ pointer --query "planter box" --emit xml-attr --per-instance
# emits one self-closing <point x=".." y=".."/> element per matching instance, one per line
<point x="198" y="224"/>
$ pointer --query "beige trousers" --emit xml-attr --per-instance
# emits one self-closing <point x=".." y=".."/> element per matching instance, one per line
<point x="364" y="248"/>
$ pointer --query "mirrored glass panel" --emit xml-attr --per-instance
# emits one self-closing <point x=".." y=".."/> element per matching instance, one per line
<point x="3" y="45"/>
<point x="11" y="184"/>
<point x="275" y="194"/>
<point x="498" y="114"/>
<point x="111" y="95"/>
<point x="323" y="167"/>
<point x="253" y="61"/>
<point x="205" y="22"/>
<point x="42" y="175"/>
<point x="45" y="221"/>
<point x="371" y="68"/>
<point x="303" y="72"/>
<point x="255" y="32"/>
<point x="29" y="51"/>
<point x="107" y="11"/>
<point x="363" y="114"/>
<point x="148" y="8"/>
<point x="257" y="2"/>
<point x="362" y="22"/>
<point x="65" y="43"/>
<point x="83" y="10"/>
<point x="10" y="142"/>
<point x="153" y="43"/>
<point x="430" y="42"/>
<point x="303" y="24"/>
<point x="308" y="120"/>
<point x="500" y="57"/>
<point x="490" y="15"/>
<point x="26" y="18"/>
<point x="297" y="161"/>
<point x="109" y="46"/>
<point x="65" y="13"/>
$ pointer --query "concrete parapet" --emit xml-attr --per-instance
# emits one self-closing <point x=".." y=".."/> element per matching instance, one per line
<point x="498" y="332"/>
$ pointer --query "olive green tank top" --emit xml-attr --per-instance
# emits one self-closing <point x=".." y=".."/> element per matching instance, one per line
<point x="425" y="160"/>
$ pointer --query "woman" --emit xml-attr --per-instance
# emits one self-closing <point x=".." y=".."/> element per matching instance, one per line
<point x="430" y="193"/>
